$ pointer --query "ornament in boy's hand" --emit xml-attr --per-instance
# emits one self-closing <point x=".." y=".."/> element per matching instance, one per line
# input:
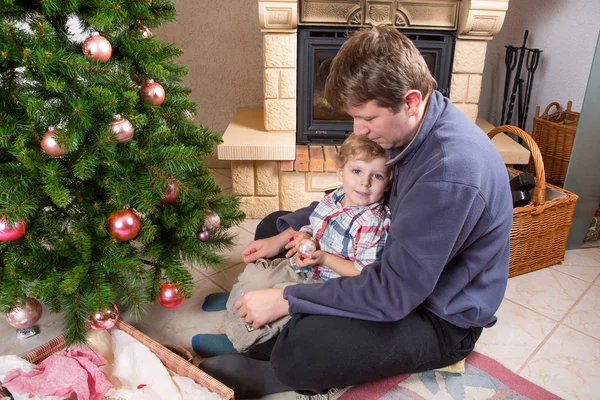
<point x="307" y="247"/>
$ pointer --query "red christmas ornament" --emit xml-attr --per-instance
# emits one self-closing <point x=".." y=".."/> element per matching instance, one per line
<point x="121" y="129"/>
<point x="25" y="315"/>
<point x="104" y="319"/>
<point x="97" y="48"/>
<point x="13" y="232"/>
<point x="152" y="93"/>
<point x="49" y="145"/>
<point x="169" y="296"/>
<point x="123" y="225"/>
<point x="170" y="195"/>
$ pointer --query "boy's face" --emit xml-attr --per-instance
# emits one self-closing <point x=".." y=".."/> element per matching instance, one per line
<point x="364" y="182"/>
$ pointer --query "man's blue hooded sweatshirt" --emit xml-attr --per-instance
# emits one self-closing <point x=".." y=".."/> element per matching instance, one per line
<point x="448" y="243"/>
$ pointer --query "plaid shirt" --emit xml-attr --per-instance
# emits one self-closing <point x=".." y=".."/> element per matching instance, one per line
<point x="354" y="233"/>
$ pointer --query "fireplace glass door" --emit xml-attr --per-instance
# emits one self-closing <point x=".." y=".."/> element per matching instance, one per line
<point x="317" y="121"/>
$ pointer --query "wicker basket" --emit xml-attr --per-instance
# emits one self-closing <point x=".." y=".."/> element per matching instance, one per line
<point x="538" y="236"/>
<point x="173" y="362"/>
<point x="554" y="133"/>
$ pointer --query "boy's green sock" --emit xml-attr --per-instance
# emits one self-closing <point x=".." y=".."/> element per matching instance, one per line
<point x="215" y="302"/>
<point x="209" y="345"/>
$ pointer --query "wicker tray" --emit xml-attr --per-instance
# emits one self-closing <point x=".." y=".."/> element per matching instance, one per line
<point x="170" y="360"/>
<point x="538" y="236"/>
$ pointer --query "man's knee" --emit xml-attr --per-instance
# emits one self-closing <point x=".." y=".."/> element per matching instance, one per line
<point x="267" y="227"/>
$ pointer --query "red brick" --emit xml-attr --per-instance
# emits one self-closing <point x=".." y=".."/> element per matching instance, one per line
<point x="317" y="162"/>
<point x="301" y="164"/>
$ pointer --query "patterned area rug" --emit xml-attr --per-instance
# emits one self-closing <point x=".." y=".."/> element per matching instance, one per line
<point x="484" y="378"/>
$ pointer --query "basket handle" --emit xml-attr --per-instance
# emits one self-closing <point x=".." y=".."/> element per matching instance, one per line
<point x="539" y="192"/>
<point x="556" y="115"/>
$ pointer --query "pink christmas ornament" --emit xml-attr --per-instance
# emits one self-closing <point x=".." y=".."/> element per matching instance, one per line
<point x="25" y="315"/>
<point x="97" y="48"/>
<point x="121" y="129"/>
<point x="307" y="247"/>
<point x="212" y="221"/>
<point x="204" y="236"/>
<point x="12" y="232"/>
<point x="152" y="93"/>
<point x="123" y="225"/>
<point x="49" y="144"/>
<point x="104" y="319"/>
<point x="144" y="31"/>
<point x="170" y="195"/>
<point x="169" y="296"/>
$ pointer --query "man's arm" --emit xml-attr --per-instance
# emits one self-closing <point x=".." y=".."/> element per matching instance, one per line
<point x="429" y="227"/>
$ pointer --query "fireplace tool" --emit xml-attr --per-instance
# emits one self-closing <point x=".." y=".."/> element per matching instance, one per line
<point x="521" y="88"/>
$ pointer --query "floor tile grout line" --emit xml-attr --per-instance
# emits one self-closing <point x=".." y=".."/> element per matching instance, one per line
<point x="553" y="330"/>
<point x="552" y="267"/>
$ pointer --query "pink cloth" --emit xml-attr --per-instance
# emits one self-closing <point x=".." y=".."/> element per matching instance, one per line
<point x="65" y="372"/>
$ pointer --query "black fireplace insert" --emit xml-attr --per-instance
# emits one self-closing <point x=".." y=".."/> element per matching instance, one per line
<point x="317" y="121"/>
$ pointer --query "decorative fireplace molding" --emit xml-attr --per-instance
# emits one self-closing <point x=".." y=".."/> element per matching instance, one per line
<point x="475" y="19"/>
<point x="258" y="139"/>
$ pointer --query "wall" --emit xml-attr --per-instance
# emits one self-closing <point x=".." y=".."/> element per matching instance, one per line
<point x="222" y="46"/>
<point x="566" y="31"/>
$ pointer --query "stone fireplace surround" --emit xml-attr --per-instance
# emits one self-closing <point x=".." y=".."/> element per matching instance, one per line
<point x="257" y="140"/>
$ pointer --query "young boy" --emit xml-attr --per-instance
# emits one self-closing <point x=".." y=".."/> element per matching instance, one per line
<point x="350" y="226"/>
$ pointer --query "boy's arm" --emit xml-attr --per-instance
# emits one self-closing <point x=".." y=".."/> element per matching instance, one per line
<point x="340" y="265"/>
<point x="335" y="263"/>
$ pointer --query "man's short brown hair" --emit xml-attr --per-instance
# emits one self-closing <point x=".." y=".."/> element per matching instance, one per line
<point x="379" y="64"/>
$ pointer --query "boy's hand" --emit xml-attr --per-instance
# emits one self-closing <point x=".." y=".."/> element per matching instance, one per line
<point x="314" y="258"/>
<point x="294" y="241"/>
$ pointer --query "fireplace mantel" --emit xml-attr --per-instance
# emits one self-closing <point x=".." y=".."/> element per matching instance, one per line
<point x="255" y="152"/>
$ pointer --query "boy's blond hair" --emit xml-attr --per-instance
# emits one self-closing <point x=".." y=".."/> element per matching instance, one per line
<point x="361" y="148"/>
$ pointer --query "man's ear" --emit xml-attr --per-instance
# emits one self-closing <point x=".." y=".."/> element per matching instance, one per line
<point x="413" y="99"/>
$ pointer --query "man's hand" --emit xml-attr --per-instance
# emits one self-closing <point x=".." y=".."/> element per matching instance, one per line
<point x="260" y="307"/>
<point x="266" y="248"/>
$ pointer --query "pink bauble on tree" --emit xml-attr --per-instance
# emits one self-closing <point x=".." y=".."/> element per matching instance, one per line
<point x="25" y="315"/>
<point x="104" y="319"/>
<point x="152" y="93"/>
<point x="212" y="221"/>
<point x="123" y="225"/>
<point x="97" y="48"/>
<point x="10" y="232"/>
<point x="121" y="129"/>
<point x="170" y="194"/>
<point x="169" y="296"/>
<point x="49" y="144"/>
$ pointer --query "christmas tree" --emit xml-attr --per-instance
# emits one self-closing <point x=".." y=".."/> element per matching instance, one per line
<point x="104" y="194"/>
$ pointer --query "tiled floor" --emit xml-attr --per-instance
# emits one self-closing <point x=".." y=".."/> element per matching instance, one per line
<point x="548" y="328"/>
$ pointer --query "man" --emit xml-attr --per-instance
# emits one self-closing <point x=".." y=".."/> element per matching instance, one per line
<point x="444" y="268"/>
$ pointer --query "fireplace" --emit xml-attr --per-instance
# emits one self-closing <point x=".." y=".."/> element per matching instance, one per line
<point x="318" y="122"/>
<point x="271" y="169"/>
